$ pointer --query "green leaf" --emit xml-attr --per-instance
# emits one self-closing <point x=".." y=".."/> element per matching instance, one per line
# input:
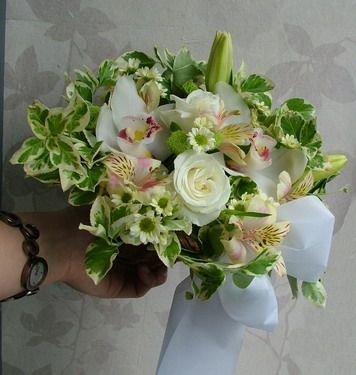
<point x="170" y="57"/>
<point x="69" y="178"/>
<point x="31" y="149"/>
<point x="55" y="122"/>
<point x="210" y="236"/>
<point x="177" y="225"/>
<point x="79" y="197"/>
<point x="292" y="124"/>
<point x="107" y="73"/>
<point x="86" y="77"/>
<point x="305" y="109"/>
<point x="262" y="264"/>
<point x="85" y="91"/>
<point x="49" y="178"/>
<point x="144" y="59"/>
<point x="94" y="177"/>
<point x="256" y="83"/>
<point x="99" y="259"/>
<point x="77" y="115"/>
<point x="100" y="212"/>
<point x="243" y="213"/>
<point x="241" y="280"/>
<point x="314" y="292"/>
<point x="168" y="254"/>
<point x="241" y="185"/>
<point x="211" y="276"/>
<point x="185" y="69"/>
<point x="308" y="133"/>
<point x="41" y="165"/>
<point x="69" y="158"/>
<point x="36" y="117"/>
<point x="293" y="283"/>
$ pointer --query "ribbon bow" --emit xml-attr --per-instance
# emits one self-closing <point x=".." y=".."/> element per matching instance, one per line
<point x="205" y="337"/>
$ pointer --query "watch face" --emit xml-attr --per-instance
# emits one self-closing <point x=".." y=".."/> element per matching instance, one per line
<point x="37" y="274"/>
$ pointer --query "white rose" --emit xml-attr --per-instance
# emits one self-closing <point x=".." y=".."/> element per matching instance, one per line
<point x="201" y="183"/>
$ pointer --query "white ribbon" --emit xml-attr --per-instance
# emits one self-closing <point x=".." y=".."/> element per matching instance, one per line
<point x="206" y="337"/>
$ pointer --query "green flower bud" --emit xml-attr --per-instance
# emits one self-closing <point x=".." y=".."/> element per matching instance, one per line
<point x="333" y="163"/>
<point x="220" y="62"/>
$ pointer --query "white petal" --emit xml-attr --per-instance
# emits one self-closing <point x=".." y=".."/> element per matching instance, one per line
<point x="232" y="101"/>
<point x="125" y="100"/>
<point x="133" y="149"/>
<point x="105" y="129"/>
<point x="291" y="161"/>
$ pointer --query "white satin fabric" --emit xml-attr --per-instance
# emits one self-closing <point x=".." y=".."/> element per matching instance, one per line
<point x="205" y="337"/>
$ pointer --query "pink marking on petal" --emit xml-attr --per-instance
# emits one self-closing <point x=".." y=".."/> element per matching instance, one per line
<point x="264" y="152"/>
<point x="153" y="126"/>
<point x="144" y="162"/>
<point x="124" y="135"/>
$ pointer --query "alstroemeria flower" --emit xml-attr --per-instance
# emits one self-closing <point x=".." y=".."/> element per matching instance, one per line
<point x="137" y="173"/>
<point x="252" y="235"/>
<point x="130" y="125"/>
<point x="286" y="191"/>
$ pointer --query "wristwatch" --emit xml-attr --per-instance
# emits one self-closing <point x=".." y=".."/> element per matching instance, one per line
<point x="36" y="268"/>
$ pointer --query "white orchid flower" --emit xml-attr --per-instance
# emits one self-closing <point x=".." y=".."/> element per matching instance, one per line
<point x="130" y="125"/>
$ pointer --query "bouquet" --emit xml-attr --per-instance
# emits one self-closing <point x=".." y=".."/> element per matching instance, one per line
<point x="192" y="160"/>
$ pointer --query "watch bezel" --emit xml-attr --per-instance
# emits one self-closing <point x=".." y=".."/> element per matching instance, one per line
<point x="27" y="272"/>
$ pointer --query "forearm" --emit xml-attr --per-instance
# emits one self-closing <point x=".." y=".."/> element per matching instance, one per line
<point x="58" y="235"/>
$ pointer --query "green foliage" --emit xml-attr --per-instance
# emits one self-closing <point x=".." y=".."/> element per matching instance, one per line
<point x="241" y="280"/>
<point x="240" y="185"/>
<point x="144" y="59"/>
<point x="305" y="109"/>
<point x="261" y="265"/>
<point x="314" y="292"/>
<point x="169" y="253"/>
<point x="78" y="197"/>
<point x="210" y="238"/>
<point x="211" y="277"/>
<point x="107" y="73"/>
<point x="256" y="84"/>
<point x="99" y="259"/>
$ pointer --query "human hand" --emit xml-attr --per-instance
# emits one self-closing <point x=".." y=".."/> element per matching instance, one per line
<point x="135" y="271"/>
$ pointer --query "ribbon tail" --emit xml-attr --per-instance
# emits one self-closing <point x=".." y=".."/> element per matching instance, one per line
<point x="201" y="338"/>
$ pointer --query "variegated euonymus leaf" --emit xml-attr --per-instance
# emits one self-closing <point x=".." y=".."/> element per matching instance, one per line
<point x="211" y="277"/>
<point x="108" y="73"/>
<point x="177" y="225"/>
<point x="262" y="264"/>
<point x="314" y="292"/>
<point x="99" y="259"/>
<point x="78" y="197"/>
<point x="169" y="252"/>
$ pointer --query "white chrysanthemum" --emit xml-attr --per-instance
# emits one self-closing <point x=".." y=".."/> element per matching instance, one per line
<point x="162" y="89"/>
<point x="290" y="141"/>
<point x="149" y="74"/>
<point x="202" y="139"/>
<point x="163" y="205"/>
<point x="127" y="67"/>
<point x="147" y="228"/>
<point x="205" y="122"/>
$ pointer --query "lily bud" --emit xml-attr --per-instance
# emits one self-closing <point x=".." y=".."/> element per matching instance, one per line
<point x="220" y="62"/>
<point x="333" y="163"/>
